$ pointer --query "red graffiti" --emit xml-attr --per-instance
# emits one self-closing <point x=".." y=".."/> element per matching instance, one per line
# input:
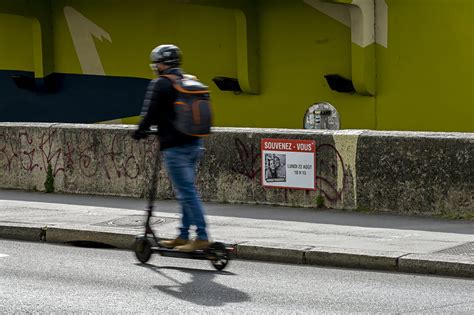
<point x="327" y="183"/>
<point x="68" y="154"/>
<point x="96" y="157"/>
<point x="30" y="165"/>
<point x="85" y="161"/>
<point x="122" y="169"/>
<point x="87" y="154"/>
<point x="248" y="157"/>
<point x="8" y="151"/>
<point x="49" y="154"/>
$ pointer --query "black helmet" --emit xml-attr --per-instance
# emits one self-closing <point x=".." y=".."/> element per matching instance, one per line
<point x="167" y="54"/>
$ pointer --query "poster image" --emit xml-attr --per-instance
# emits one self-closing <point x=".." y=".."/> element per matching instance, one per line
<point x="289" y="163"/>
<point x="275" y="167"/>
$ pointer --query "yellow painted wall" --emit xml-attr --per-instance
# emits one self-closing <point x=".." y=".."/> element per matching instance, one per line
<point x="424" y="78"/>
<point x="208" y="47"/>
<point x="291" y="70"/>
<point x="16" y="42"/>
<point x="299" y="45"/>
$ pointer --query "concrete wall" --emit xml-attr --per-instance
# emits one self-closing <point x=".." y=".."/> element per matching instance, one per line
<point x="402" y="172"/>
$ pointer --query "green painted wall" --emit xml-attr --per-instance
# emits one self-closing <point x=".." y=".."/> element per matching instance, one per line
<point x="424" y="77"/>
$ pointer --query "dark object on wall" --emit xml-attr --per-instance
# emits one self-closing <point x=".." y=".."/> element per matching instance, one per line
<point x="49" y="183"/>
<point x="50" y="84"/>
<point x="24" y="82"/>
<point x="227" y="84"/>
<point x="339" y="84"/>
<point x="47" y="84"/>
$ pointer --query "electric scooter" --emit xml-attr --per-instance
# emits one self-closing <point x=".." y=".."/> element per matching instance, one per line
<point x="145" y="245"/>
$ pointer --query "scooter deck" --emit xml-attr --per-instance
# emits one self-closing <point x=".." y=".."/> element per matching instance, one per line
<point x="167" y="252"/>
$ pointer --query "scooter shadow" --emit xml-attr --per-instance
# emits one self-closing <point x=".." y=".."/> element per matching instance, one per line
<point x="202" y="289"/>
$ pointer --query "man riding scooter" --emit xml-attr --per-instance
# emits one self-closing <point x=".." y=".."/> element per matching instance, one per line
<point x="181" y="152"/>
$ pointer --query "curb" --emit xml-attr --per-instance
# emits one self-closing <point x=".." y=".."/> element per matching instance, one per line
<point x="63" y="235"/>
<point x="23" y="232"/>
<point x="353" y="258"/>
<point x="271" y="252"/>
<point x="444" y="265"/>
<point x="459" y="266"/>
<point x="320" y="256"/>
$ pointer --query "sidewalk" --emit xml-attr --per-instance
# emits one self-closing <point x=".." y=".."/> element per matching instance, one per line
<point x="290" y="235"/>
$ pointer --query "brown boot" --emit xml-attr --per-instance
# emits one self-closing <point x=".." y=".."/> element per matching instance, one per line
<point x="194" y="246"/>
<point x="173" y="243"/>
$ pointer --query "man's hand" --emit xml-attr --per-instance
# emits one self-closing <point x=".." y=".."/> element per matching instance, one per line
<point x="139" y="134"/>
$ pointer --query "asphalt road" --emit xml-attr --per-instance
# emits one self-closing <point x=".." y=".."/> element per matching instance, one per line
<point x="44" y="278"/>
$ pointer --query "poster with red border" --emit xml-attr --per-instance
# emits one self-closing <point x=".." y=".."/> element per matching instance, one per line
<point x="288" y="163"/>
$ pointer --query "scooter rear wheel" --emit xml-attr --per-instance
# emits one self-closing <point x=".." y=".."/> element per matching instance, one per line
<point x="221" y="254"/>
<point x="142" y="249"/>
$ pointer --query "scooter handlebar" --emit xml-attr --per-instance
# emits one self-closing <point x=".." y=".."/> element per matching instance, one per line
<point x="151" y="132"/>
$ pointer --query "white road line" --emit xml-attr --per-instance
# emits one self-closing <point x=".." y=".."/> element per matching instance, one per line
<point x="3" y="255"/>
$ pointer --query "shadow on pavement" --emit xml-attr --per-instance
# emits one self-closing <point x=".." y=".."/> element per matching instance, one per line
<point x="202" y="289"/>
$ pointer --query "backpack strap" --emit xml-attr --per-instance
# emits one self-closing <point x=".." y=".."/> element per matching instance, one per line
<point x="172" y="77"/>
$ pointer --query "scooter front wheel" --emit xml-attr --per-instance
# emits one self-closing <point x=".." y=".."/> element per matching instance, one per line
<point x="220" y="254"/>
<point x="142" y="249"/>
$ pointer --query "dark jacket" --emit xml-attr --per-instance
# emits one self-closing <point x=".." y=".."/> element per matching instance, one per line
<point x="158" y="109"/>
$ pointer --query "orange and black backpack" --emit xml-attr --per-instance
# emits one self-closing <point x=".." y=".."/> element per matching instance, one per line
<point x="193" y="113"/>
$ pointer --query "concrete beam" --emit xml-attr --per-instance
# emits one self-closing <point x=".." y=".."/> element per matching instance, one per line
<point x="40" y="14"/>
<point x="247" y="41"/>
<point x="362" y="25"/>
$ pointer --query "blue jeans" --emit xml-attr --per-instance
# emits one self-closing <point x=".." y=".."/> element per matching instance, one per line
<point x="181" y="162"/>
